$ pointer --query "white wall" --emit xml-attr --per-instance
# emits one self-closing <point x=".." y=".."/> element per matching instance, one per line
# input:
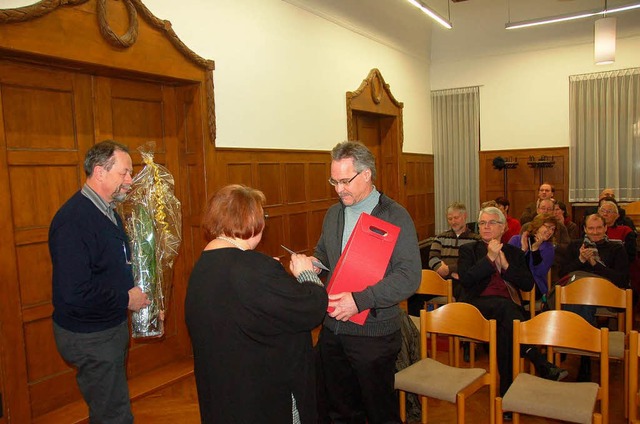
<point x="282" y="73"/>
<point x="524" y="97"/>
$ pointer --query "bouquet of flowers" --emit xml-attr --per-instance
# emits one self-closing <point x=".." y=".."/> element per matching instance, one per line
<point x="153" y="222"/>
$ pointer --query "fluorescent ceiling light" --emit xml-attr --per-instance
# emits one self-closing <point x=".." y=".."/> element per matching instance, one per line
<point x="562" y="18"/>
<point x="432" y="13"/>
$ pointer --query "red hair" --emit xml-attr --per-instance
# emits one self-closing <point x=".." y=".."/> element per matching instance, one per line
<point x="234" y="211"/>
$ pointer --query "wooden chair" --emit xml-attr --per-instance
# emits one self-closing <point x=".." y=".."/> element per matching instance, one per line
<point x="634" y="395"/>
<point x="529" y="298"/>
<point x="572" y="402"/>
<point x="430" y="378"/>
<point x="433" y="284"/>
<point x="596" y="291"/>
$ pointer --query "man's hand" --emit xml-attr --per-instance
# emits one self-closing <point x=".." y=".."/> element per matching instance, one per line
<point x="137" y="299"/>
<point x="493" y="250"/>
<point x="345" y="306"/>
<point x="588" y="254"/>
<point x="443" y="270"/>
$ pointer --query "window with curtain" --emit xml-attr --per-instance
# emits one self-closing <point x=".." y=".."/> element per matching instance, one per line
<point x="604" y="150"/>
<point x="456" y="141"/>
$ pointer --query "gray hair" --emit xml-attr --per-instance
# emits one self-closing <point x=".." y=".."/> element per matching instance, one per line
<point x="101" y="154"/>
<point x="361" y="155"/>
<point x="457" y="206"/>
<point x="492" y="210"/>
<point x="608" y="202"/>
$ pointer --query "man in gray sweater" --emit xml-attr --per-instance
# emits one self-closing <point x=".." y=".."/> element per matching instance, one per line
<point x="358" y="361"/>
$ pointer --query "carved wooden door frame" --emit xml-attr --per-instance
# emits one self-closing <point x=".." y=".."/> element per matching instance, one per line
<point x="374" y="97"/>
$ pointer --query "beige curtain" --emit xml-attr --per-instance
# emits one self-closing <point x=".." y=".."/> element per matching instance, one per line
<point x="604" y="150"/>
<point x="456" y="142"/>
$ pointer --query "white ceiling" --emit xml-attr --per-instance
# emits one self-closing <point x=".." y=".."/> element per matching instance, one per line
<point x="478" y="25"/>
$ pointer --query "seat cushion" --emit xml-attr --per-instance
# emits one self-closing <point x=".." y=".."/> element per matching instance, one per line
<point x="434" y="379"/>
<point x="572" y="402"/>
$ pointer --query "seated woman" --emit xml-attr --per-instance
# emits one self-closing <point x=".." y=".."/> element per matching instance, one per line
<point x="250" y="321"/>
<point x="537" y="244"/>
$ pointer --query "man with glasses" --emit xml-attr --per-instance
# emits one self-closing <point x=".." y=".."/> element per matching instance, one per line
<point x="545" y="191"/>
<point x="492" y="273"/>
<point x="358" y="361"/>
<point x="615" y="231"/>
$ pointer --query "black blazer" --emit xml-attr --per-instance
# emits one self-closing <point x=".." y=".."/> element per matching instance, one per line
<point x="475" y="269"/>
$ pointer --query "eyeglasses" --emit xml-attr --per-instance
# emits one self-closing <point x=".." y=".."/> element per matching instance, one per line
<point x="491" y="223"/>
<point x="344" y="181"/>
<point x="606" y="211"/>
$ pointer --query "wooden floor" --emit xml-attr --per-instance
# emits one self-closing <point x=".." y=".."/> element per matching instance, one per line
<point x="179" y="403"/>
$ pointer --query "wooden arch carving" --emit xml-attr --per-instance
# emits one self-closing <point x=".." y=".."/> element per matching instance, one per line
<point x="373" y="96"/>
<point x="135" y="9"/>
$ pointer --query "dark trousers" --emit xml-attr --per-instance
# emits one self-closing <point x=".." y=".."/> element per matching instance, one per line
<point x="504" y="311"/>
<point x="359" y="375"/>
<point x="100" y="360"/>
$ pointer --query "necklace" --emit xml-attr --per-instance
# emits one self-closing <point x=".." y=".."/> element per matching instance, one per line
<point x="231" y="241"/>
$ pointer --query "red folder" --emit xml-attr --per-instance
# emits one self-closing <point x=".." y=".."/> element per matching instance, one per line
<point x="365" y="258"/>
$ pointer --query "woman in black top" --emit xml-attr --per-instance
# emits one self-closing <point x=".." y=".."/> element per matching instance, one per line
<point x="250" y="321"/>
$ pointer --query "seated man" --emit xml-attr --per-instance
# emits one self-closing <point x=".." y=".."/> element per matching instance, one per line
<point x="443" y="256"/>
<point x="545" y="191"/>
<point x="608" y="194"/>
<point x="492" y="273"/>
<point x="595" y="254"/>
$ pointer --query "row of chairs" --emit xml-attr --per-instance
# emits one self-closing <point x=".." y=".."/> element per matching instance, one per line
<point x="557" y="330"/>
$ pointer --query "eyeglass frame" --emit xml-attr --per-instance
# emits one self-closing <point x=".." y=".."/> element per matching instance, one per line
<point x="345" y="182"/>
<point x="490" y="222"/>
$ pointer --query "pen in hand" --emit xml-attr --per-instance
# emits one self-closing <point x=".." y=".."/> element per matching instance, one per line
<point x="313" y="261"/>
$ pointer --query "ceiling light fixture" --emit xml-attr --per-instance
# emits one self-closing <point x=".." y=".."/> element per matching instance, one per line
<point x="604" y="42"/>
<point x="570" y="17"/>
<point x="432" y="13"/>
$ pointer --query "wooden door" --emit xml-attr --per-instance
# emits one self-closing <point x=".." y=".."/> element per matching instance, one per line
<point x="134" y="113"/>
<point x="372" y="130"/>
<point x="46" y="126"/>
<point x="48" y="120"/>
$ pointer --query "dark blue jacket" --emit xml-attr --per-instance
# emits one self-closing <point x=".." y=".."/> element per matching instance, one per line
<point x="91" y="270"/>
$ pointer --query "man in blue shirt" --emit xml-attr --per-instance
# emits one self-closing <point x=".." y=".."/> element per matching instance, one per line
<point x="93" y="284"/>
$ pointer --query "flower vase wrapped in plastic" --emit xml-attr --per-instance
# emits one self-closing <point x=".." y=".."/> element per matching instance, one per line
<point x="153" y="222"/>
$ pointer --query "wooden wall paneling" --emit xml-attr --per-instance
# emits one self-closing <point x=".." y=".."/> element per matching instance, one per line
<point x="135" y="113"/>
<point x="46" y="125"/>
<point x="523" y="181"/>
<point x="419" y="189"/>
<point x="41" y="158"/>
<point x="191" y="191"/>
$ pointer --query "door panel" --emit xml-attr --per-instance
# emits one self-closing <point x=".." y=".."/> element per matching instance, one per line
<point x="135" y="113"/>
<point x="44" y="134"/>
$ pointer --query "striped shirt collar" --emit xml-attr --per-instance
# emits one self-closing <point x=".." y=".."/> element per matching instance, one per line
<point x="104" y="207"/>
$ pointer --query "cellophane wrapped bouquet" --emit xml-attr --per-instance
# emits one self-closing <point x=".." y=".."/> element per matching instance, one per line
<point x="153" y="222"/>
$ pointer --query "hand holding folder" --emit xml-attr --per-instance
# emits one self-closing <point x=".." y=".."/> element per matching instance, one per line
<point x="365" y="259"/>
